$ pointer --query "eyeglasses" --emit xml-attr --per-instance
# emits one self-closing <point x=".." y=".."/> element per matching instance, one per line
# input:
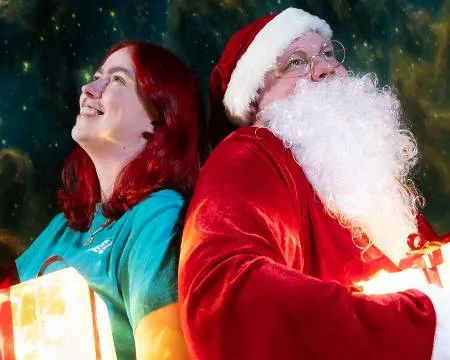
<point x="300" y="63"/>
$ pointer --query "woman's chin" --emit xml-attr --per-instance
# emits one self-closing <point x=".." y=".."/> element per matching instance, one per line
<point x="81" y="134"/>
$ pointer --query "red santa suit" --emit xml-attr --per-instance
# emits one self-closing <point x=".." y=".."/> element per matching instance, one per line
<point x="265" y="272"/>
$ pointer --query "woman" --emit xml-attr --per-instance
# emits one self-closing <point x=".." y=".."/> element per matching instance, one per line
<point x="136" y="159"/>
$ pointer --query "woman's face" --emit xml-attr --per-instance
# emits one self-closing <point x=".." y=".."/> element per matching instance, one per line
<point x="111" y="113"/>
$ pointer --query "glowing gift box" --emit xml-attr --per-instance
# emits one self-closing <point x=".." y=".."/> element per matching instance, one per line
<point x="434" y="260"/>
<point x="56" y="316"/>
<point x="430" y="265"/>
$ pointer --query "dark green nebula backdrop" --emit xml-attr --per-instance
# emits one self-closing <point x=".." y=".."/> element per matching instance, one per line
<point x="49" y="48"/>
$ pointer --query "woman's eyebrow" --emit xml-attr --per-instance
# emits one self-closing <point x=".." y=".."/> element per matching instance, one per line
<point x="116" y="69"/>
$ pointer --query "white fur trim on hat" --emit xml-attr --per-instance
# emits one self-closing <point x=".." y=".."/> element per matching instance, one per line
<point x="262" y="53"/>
<point x="441" y="300"/>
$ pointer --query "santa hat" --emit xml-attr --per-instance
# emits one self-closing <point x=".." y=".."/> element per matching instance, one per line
<point x="249" y="54"/>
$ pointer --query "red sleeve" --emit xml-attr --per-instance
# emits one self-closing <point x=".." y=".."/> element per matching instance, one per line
<point x="241" y="299"/>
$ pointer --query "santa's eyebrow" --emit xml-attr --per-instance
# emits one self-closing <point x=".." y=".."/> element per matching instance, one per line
<point x="114" y="69"/>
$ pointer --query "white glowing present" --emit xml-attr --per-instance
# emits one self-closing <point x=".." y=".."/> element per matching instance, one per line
<point x="56" y="316"/>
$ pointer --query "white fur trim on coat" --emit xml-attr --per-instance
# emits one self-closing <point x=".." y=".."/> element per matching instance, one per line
<point x="441" y="302"/>
<point x="262" y="53"/>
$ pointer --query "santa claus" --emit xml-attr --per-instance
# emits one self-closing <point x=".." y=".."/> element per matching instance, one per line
<point x="311" y="194"/>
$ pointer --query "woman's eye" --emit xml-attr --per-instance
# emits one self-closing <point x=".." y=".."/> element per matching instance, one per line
<point x="117" y="78"/>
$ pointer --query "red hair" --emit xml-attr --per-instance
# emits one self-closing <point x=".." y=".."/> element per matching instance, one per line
<point x="170" y="93"/>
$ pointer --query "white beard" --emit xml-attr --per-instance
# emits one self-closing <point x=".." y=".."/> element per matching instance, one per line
<point x="348" y="137"/>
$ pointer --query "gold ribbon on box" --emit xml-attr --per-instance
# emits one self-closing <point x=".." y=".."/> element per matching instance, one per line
<point x="429" y="257"/>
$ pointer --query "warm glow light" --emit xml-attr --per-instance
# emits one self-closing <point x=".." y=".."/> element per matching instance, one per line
<point x="384" y="282"/>
<point x="53" y="319"/>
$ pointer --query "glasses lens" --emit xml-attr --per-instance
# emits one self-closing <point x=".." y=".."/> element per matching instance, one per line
<point x="297" y="65"/>
<point x="338" y="50"/>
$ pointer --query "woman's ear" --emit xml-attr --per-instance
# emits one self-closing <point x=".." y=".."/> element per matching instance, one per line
<point x="147" y="135"/>
<point x="149" y="130"/>
<point x="155" y="115"/>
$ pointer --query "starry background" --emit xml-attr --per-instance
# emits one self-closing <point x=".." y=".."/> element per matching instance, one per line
<point x="49" y="48"/>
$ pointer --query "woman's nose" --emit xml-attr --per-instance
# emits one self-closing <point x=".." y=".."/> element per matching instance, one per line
<point x="95" y="88"/>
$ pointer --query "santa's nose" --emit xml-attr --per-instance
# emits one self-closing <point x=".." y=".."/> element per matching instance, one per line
<point x="322" y="69"/>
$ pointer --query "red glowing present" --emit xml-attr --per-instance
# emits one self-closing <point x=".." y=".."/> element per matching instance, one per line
<point x="434" y="260"/>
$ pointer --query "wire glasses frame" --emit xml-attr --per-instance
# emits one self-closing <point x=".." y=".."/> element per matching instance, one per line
<point x="299" y="63"/>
